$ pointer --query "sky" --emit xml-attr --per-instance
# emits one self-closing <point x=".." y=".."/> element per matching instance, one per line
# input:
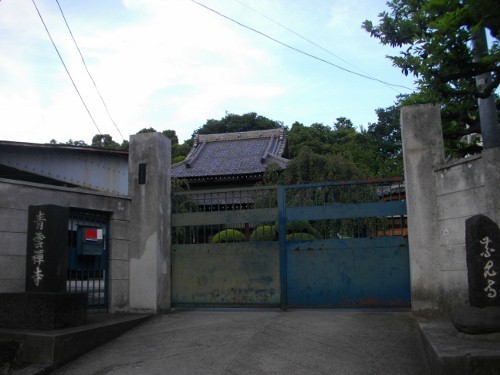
<point x="174" y="64"/>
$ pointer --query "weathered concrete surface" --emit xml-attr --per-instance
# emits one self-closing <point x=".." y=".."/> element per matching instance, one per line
<point x="450" y="352"/>
<point x="17" y="196"/>
<point x="46" y="349"/>
<point x="262" y="342"/>
<point x="149" y="187"/>
<point x="423" y="150"/>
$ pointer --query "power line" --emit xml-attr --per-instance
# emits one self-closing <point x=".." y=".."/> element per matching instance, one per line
<point x="88" y="72"/>
<point x="67" y="71"/>
<point x="298" y="50"/>
<point x="295" y="33"/>
<point x="307" y="39"/>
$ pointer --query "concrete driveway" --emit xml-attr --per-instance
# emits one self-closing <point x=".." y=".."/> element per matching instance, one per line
<point x="241" y="341"/>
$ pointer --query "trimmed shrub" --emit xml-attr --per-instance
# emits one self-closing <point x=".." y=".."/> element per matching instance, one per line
<point x="229" y="235"/>
<point x="300" y="236"/>
<point x="299" y="227"/>
<point x="264" y="233"/>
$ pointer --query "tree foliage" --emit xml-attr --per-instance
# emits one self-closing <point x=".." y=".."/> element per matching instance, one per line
<point x="308" y="167"/>
<point x="384" y="136"/>
<point x="105" y="141"/>
<point x="179" y="151"/>
<point x="318" y="152"/>
<point x="435" y="38"/>
<point x="70" y="142"/>
<point x="375" y="152"/>
<point x="232" y="123"/>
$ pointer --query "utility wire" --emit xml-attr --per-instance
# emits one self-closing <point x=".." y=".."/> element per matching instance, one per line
<point x="298" y="50"/>
<point x="307" y="40"/>
<point x="67" y="71"/>
<point x="86" y="68"/>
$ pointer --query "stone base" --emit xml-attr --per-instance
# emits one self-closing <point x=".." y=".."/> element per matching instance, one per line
<point x="47" y="350"/>
<point x="448" y="352"/>
<point x="42" y="311"/>
<point x="476" y="320"/>
<point x="10" y="355"/>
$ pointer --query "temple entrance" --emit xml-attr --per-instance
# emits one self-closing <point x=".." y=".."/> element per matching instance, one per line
<point x="88" y="254"/>
<point x="318" y="245"/>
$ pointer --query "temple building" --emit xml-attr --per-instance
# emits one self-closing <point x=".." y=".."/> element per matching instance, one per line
<point x="232" y="159"/>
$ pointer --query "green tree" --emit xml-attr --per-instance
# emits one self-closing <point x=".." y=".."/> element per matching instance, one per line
<point x="343" y="123"/>
<point x="385" y="140"/>
<point x="70" y="142"/>
<point x="79" y="143"/>
<point x="309" y="167"/>
<point x="105" y="141"/>
<point x="232" y="123"/>
<point x="179" y="152"/>
<point x="146" y="130"/>
<point x="435" y="37"/>
<point x="172" y="135"/>
<point x="343" y="140"/>
<point x="317" y="137"/>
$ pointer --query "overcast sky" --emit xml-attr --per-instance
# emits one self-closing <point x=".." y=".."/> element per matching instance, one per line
<point x="173" y="64"/>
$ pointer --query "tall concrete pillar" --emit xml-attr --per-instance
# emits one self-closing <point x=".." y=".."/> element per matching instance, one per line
<point x="491" y="160"/>
<point x="149" y="188"/>
<point x="423" y="150"/>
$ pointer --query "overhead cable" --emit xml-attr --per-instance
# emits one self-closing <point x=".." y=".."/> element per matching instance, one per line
<point x="67" y="71"/>
<point x="307" y="40"/>
<point x="298" y="50"/>
<point x="88" y="72"/>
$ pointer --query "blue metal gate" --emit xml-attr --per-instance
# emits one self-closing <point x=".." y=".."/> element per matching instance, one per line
<point x="88" y="253"/>
<point x="340" y="244"/>
<point x="344" y="245"/>
<point x="225" y="250"/>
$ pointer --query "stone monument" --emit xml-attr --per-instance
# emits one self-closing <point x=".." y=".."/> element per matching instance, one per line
<point x="45" y="305"/>
<point x="482" y="242"/>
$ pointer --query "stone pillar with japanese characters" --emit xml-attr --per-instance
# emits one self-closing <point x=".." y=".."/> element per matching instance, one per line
<point x="46" y="255"/>
<point x="482" y="239"/>
<point x="482" y="247"/>
<point x="46" y="305"/>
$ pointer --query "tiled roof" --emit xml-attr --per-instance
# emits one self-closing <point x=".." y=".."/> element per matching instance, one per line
<point x="233" y="154"/>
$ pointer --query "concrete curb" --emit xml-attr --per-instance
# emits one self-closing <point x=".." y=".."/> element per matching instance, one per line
<point x="47" y="350"/>
<point x="450" y="352"/>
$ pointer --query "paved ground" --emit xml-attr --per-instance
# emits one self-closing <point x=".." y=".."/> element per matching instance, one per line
<point x="236" y="341"/>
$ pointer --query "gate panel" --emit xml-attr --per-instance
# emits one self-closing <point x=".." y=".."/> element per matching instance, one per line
<point x="226" y="274"/>
<point x="348" y="272"/>
<point x="239" y="268"/>
<point x="88" y="254"/>
<point x="344" y="245"/>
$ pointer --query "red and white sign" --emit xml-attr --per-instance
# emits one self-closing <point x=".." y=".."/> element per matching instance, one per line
<point x="93" y="234"/>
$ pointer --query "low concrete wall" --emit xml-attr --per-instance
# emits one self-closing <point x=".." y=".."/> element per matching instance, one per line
<point x="440" y="197"/>
<point x="460" y="195"/>
<point x="16" y="197"/>
<point x="139" y="263"/>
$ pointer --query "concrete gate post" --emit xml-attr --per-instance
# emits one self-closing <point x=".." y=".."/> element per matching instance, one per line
<point x="149" y="188"/>
<point x="491" y="160"/>
<point x="423" y="150"/>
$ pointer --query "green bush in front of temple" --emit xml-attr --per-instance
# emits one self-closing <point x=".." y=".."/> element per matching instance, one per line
<point x="300" y="236"/>
<point x="228" y="235"/>
<point x="298" y="227"/>
<point x="264" y="233"/>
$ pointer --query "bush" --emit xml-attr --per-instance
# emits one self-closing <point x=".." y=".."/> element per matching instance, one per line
<point x="299" y="227"/>
<point x="300" y="236"/>
<point x="264" y="233"/>
<point x="229" y="235"/>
